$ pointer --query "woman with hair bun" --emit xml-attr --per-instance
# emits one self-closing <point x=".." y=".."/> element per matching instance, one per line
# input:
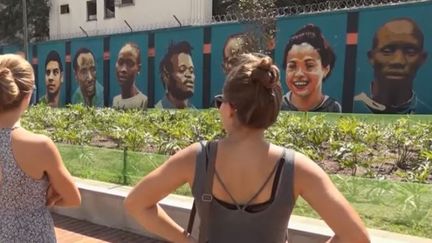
<point x="255" y="185"/>
<point x="308" y="62"/>
<point x="32" y="174"/>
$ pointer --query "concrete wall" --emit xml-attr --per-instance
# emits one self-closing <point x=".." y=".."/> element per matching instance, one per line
<point x="139" y="15"/>
<point x="102" y="203"/>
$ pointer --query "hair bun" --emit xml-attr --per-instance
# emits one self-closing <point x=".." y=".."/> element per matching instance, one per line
<point x="312" y="28"/>
<point x="4" y="72"/>
<point x="266" y="73"/>
<point x="9" y="90"/>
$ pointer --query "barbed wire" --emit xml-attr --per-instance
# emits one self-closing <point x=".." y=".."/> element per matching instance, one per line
<point x="327" y="6"/>
<point x="313" y="8"/>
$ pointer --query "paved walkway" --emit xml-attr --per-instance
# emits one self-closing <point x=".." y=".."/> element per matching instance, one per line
<point x="69" y="230"/>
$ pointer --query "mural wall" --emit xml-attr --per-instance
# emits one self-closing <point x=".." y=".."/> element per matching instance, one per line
<point x="369" y="61"/>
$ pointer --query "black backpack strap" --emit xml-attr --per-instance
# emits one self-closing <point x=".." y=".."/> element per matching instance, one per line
<point x="191" y="218"/>
<point x="206" y="197"/>
<point x="193" y="209"/>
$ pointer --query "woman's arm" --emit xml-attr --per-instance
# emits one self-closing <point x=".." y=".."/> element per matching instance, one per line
<point x="314" y="185"/>
<point x="62" y="190"/>
<point x="141" y="203"/>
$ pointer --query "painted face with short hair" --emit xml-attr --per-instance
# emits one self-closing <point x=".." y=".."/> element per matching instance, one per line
<point x="86" y="74"/>
<point x="53" y="78"/>
<point x="398" y="53"/>
<point x="182" y="79"/>
<point x="127" y="65"/>
<point x="235" y="46"/>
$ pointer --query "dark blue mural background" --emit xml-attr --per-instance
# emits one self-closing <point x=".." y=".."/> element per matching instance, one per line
<point x="333" y="25"/>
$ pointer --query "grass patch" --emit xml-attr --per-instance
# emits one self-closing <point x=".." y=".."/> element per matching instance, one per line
<point x="401" y="207"/>
<point x="107" y="165"/>
<point x="386" y="205"/>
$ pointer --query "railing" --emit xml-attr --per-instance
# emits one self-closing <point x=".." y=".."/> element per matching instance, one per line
<point x="325" y="6"/>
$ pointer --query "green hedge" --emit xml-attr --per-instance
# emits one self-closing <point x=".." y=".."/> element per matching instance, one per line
<point x="370" y="145"/>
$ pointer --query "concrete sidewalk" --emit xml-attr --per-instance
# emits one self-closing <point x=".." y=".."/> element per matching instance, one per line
<point x="69" y="230"/>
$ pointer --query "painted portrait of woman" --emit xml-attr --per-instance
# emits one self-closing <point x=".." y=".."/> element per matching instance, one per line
<point x="308" y="62"/>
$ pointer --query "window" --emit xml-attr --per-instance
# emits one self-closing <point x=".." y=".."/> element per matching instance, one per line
<point x="127" y="2"/>
<point x="91" y="10"/>
<point x="109" y="9"/>
<point x="122" y="3"/>
<point x="64" y="9"/>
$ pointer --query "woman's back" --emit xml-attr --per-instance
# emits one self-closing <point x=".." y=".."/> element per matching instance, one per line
<point x="32" y="174"/>
<point x="24" y="216"/>
<point x="261" y="211"/>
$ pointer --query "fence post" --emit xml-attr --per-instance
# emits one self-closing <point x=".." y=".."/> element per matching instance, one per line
<point x="124" y="172"/>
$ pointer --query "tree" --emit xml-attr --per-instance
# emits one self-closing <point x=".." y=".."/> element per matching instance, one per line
<point x="11" y="24"/>
<point x="258" y="15"/>
<point x="222" y="7"/>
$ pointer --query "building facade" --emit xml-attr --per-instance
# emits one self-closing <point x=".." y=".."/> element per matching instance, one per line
<point x="74" y="18"/>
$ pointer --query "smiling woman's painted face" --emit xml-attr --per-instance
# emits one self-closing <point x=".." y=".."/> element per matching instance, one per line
<point x="304" y="71"/>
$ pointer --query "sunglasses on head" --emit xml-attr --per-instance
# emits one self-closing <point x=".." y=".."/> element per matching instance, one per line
<point x="219" y="99"/>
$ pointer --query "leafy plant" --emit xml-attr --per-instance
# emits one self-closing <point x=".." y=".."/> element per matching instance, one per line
<point x="349" y="155"/>
<point x="365" y="144"/>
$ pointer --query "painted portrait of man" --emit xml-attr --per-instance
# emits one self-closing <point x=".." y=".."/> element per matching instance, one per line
<point x="178" y="77"/>
<point x="53" y="79"/>
<point x="128" y="66"/>
<point x="235" y="45"/>
<point x="396" y="55"/>
<point x="89" y="92"/>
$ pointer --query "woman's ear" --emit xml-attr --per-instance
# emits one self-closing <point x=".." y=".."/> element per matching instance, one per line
<point x="232" y="110"/>
<point x="27" y="99"/>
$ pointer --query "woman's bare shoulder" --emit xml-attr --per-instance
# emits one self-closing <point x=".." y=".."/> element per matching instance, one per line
<point x="30" y="141"/>
<point x="186" y="156"/>
<point x="306" y="164"/>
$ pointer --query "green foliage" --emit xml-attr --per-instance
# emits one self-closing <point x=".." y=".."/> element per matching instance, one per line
<point x="348" y="154"/>
<point x="373" y="148"/>
<point x="11" y="26"/>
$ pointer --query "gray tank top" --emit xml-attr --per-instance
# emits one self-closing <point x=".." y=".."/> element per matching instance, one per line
<point x="23" y="214"/>
<point x="238" y="225"/>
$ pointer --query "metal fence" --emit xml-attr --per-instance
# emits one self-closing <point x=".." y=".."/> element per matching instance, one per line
<point x="319" y="7"/>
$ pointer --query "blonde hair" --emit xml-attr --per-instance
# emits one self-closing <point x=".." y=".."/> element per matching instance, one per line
<point x="16" y="80"/>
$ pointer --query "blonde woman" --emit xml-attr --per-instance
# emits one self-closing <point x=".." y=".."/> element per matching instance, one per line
<point x="32" y="174"/>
